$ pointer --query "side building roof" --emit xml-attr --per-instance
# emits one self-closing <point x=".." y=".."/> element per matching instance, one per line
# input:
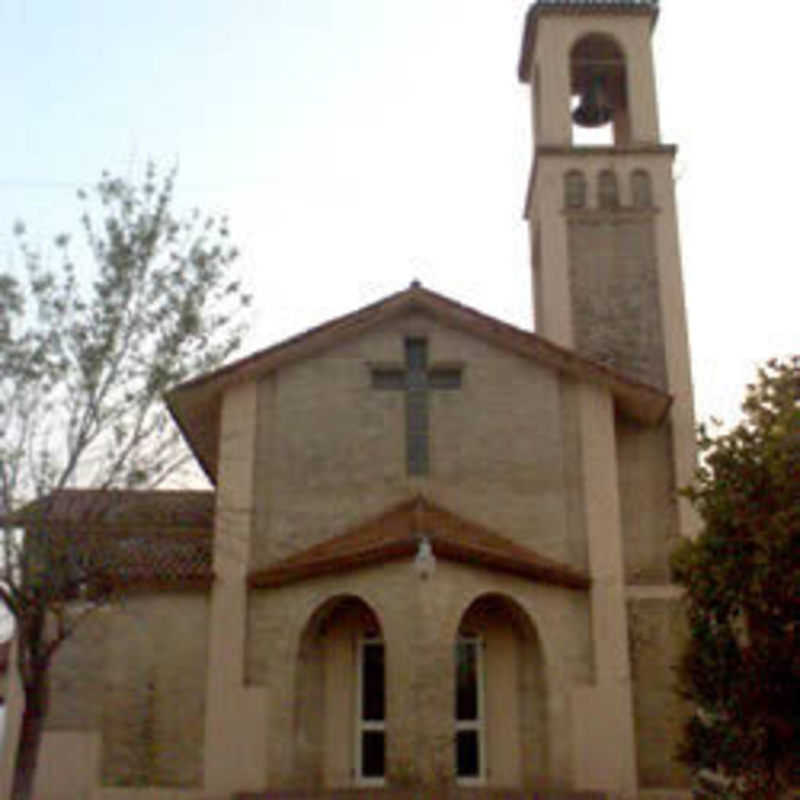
<point x="148" y="539"/>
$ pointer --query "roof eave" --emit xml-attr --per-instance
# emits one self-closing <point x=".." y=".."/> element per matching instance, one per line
<point x="207" y="461"/>
<point x="280" y="576"/>
<point x="357" y="549"/>
<point x="274" y="577"/>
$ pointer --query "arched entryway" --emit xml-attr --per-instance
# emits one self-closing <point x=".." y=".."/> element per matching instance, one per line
<point x="340" y="697"/>
<point x="500" y="697"/>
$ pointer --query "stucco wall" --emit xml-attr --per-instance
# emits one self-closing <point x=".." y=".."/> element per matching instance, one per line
<point x="648" y="500"/>
<point x="573" y="477"/>
<point x="77" y="677"/>
<point x="657" y="633"/>
<point x="332" y="448"/>
<point x="67" y="766"/>
<point x="137" y="674"/>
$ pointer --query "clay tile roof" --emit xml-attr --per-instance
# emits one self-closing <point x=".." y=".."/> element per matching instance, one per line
<point x="396" y="533"/>
<point x="120" y="508"/>
<point x="134" y="538"/>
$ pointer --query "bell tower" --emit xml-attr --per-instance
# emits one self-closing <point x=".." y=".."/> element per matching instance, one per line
<point x="603" y="227"/>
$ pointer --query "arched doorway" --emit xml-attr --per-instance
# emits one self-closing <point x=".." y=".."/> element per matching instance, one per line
<point x="500" y="697"/>
<point x="340" y="700"/>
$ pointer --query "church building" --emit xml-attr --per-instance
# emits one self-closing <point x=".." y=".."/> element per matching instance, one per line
<point x="434" y="562"/>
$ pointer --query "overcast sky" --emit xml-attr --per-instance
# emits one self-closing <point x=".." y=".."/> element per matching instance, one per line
<point x="357" y="144"/>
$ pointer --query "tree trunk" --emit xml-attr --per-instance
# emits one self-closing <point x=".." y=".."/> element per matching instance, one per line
<point x="30" y="736"/>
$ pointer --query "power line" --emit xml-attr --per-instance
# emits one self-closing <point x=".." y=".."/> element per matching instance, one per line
<point x="21" y="184"/>
<point x="12" y="183"/>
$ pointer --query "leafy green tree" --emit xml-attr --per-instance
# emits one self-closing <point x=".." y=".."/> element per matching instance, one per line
<point x="741" y="669"/>
<point x="88" y="344"/>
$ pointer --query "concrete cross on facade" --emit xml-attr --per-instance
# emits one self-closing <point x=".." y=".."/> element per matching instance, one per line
<point x="416" y="380"/>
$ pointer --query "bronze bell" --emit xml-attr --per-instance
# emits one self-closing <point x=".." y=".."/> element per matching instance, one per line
<point x="595" y="108"/>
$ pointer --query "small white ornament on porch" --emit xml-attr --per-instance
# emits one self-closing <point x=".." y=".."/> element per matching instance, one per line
<point x="425" y="560"/>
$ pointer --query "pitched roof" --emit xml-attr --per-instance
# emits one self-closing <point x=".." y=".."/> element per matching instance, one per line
<point x="196" y="404"/>
<point x="396" y="534"/>
<point x="156" y="538"/>
<point x="120" y="508"/>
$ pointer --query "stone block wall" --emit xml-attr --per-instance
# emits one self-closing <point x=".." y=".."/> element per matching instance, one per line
<point x="332" y="448"/>
<point x="616" y="306"/>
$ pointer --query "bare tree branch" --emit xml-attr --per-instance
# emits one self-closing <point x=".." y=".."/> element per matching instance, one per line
<point x="83" y="368"/>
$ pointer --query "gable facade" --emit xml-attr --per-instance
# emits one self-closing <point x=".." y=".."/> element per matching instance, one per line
<point x="331" y="448"/>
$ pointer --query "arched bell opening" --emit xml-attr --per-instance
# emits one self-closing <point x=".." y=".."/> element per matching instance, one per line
<point x="340" y="697"/>
<point x="598" y="81"/>
<point x="501" y="736"/>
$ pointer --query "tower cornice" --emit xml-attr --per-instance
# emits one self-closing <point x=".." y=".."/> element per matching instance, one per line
<point x="610" y="150"/>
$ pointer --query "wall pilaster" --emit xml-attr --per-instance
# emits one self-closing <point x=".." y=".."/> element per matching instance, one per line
<point x="676" y="341"/>
<point x="235" y="746"/>
<point x="434" y="686"/>
<point x="604" y="754"/>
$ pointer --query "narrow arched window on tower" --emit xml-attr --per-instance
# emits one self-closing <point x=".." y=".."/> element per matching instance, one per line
<point x="607" y="190"/>
<point x="641" y="190"/>
<point x="574" y="189"/>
